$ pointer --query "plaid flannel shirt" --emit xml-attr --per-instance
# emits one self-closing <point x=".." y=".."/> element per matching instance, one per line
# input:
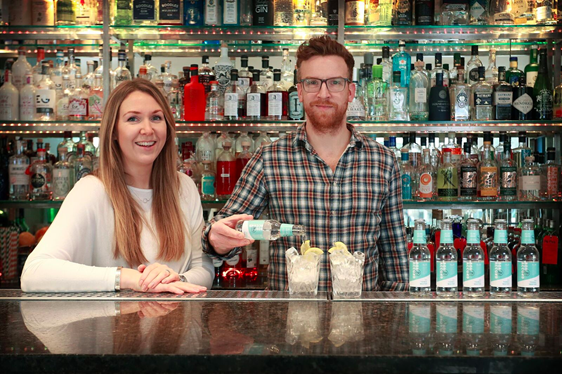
<point x="359" y="204"/>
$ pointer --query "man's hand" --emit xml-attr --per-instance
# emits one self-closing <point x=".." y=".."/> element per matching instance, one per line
<point x="223" y="235"/>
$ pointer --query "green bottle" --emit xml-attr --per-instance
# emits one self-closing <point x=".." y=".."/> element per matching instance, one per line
<point x="447" y="179"/>
<point x="123" y="12"/>
<point x="532" y="69"/>
<point x="543" y="90"/>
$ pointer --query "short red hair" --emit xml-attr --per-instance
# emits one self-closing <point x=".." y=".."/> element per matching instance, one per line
<point x="324" y="46"/>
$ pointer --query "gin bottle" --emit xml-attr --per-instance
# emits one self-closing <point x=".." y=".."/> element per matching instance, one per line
<point x="487" y="175"/>
<point x="522" y="151"/>
<point x="41" y="173"/>
<point x="37" y="69"/>
<point x="459" y="94"/>
<point x="401" y="62"/>
<point x="402" y="13"/>
<point x="543" y="90"/>
<point x="447" y="179"/>
<point x="481" y="98"/>
<point x="122" y="74"/>
<point x="551" y="176"/>
<point x="82" y="164"/>
<point x="503" y="97"/>
<point x="62" y="103"/>
<point x="492" y="70"/>
<point x="268" y="229"/>
<point x="355" y="109"/>
<point x="9" y="99"/>
<point x="454" y="73"/>
<point x="17" y="167"/>
<point x="214" y="110"/>
<point x="528" y="265"/>
<point x="419" y="260"/>
<point x="295" y="108"/>
<point x="27" y="99"/>
<point x="95" y="99"/>
<point x="378" y="104"/>
<point x="234" y="99"/>
<point x="63" y="173"/>
<point x="508" y="175"/>
<point x="255" y="99"/>
<point x="513" y="76"/>
<point x="123" y="13"/>
<point x="20" y="68"/>
<point x="226" y="172"/>
<point x="145" y="12"/>
<point x="529" y="181"/>
<point x="500" y="261"/>
<point x="45" y="102"/>
<point x="407" y="174"/>
<point x="440" y="107"/>
<point x="419" y="90"/>
<point x="469" y="176"/>
<point x="472" y="66"/>
<point x="427" y="178"/>
<point x="398" y="99"/>
<point x="213" y="13"/>
<point x="78" y="101"/>
<point x="277" y="98"/>
<point x="473" y="262"/>
<point x="439" y="69"/>
<point x="479" y="12"/>
<point x="446" y="262"/>
<point x="500" y="12"/>
<point x="532" y="69"/>
<point x="387" y="66"/>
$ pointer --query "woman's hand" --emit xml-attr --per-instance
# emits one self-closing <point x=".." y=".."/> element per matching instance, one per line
<point x="154" y="274"/>
<point x="130" y="279"/>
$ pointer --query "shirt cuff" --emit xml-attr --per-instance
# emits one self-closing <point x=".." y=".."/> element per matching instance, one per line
<point x="209" y="250"/>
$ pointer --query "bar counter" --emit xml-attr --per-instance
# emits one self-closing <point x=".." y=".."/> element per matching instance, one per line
<point x="271" y="332"/>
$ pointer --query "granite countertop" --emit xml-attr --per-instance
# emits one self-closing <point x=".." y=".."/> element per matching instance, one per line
<point x="96" y="334"/>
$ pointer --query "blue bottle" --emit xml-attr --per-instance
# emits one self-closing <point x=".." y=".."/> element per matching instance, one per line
<point x="401" y="61"/>
<point x="193" y="13"/>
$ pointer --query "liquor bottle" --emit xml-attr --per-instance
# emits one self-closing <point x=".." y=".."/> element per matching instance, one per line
<point x="222" y="70"/>
<point x="523" y="103"/>
<point x="459" y="95"/>
<point x="122" y="74"/>
<point x="62" y="176"/>
<point x="503" y="97"/>
<point x="256" y="99"/>
<point x="424" y="10"/>
<point x="123" y="13"/>
<point x="85" y="12"/>
<point x="456" y="150"/>
<point x="233" y="107"/>
<point x="500" y="261"/>
<point x="277" y="98"/>
<point x="333" y="12"/>
<point x="377" y="99"/>
<point x="175" y="100"/>
<point x="532" y="69"/>
<point x="170" y="12"/>
<point x="439" y="69"/>
<point x="166" y="76"/>
<point x="481" y="98"/>
<point x="529" y="179"/>
<point x="194" y="101"/>
<point x="401" y="62"/>
<point x="355" y="109"/>
<point x="37" y="70"/>
<point x="551" y="176"/>
<point x="427" y="178"/>
<point x="287" y="70"/>
<point x="522" y="151"/>
<point x="407" y="174"/>
<point x="447" y="179"/>
<point x="544" y="14"/>
<point x="508" y="175"/>
<point x="41" y="173"/>
<point x="295" y="110"/>
<point x="9" y="99"/>
<point x="45" y="102"/>
<point x="392" y="147"/>
<point x="454" y="12"/>
<point x="354" y="12"/>
<point x="501" y="12"/>
<point x="472" y="67"/>
<point x="262" y="139"/>
<point x="479" y="12"/>
<point x="302" y="12"/>
<point x="243" y="158"/>
<point x="214" y="110"/>
<point x="440" y="103"/>
<point x="145" y="12"/>
<point x="206" y="74"/>
<point x="19" y="179"/>
<point x="66" y="14"/>
<point x="402" y="13"/>
<point x="513" y="75"/>
<point x="213" y="13"/>
<point x="43" y="12"/>
<point x="468" y="176"/>
<point x="528" y="263"/>
<point x="20" y="68"/>
<point x="446" y="262"/>
<point x="226" y="172"/>
<point x="72" y="69"/>
<point x="419" y="91"/>
<point x="268" y="229"/>
<point x="62" y="102"/>
<point x="492" y="70"/>
<point x="434" y="152"/>
<point x="398" y="99"/>
<point x="543" y="90"/>
<point x="82" y="164"/>
<point x="414" y="150"/>
<point x="266" y="73"/>
<point x="193" y="13"/>
<point x="244" y="75"/>
<point x="58" y="72"/>
<point x="151" y="70"/>
<point x="473" y="262"/>
<point x="207" y="181"/>
<point x="487" y="175"/>
<point x="95" y="99"/>
<point x="453" y="74"/>
<point x="27" y="99"/>
<point x="419" y="260"/>
<point x="263" y="13"/>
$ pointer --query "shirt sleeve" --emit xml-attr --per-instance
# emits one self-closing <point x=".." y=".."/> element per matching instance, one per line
<point x="392" y="242"/>
<point x="249" y="197"/>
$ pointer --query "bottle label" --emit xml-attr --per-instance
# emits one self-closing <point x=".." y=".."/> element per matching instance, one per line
<point x="275" y="104"/>
<point x="398" y="100"/>
<point x="473" y="76"/>
<point x="406" y="187"/>
<point x="447" y="274"/>
<point x="500" y="236"/>
<point x="528" y="274"/>
<point x="504" y="17"/>
<point x="78" y="107"/>
<point x="500" y="274"/>
<point x="489" y="181"/>
<point x="421" y="95"/>
<point x="231" y="104"/>
<point x="244" y="83"/>
<point x="222" y="75"/>
<point x="170" y="10"/>
<point x="95" y="104"/>
<point x="420" y="274"/>
<point x="255" y="230"/>
<point x="446" y="237"/>
<point x="528" y="237"/>
<point x="482" y="98"/>
<point x="543" y="12"/>
<point x="550" y="250"/>
<point x="508" y="186"/>
<point x="230" y="12"/>
<point x="355" y="109"/>
<point x="469" y="180"/>
<point x="82" y="172"/>
<point x="286" y="230"/>
<point x="419" y="237"/>
<point x="143" y="10"/>
<point x="233" y="261"/>
<point x="61" y="182"/>
<point x="531" y="78"/>
<point x="38" y="180"/>
<point x="477" y="9"/>
<point x="45" y="101"/>
<point x="503" y="98"/>
<point x="519" y="7"/>
<point x="296" y="111"/>
<point x="27" y="107"/>
<point x="264" y="252"/>
<point x="253" y="107"/>
<point x="447" y="182"/>
<point x="473" y="237"/>
<point x="57" y="80"/>
<point x="208" y="185"/>
<point x="473" y="274"/>
<point x="461" y="104"/>
<point x="354" y="12"/>
<point x="18" y="177"/>
<point x="211" y="12"/>
<point x="426" y="186"/>
<point x="544" y="101"/>
<point x="251" y="257"/>
<point x="523" y="103"/>
<point x="530" y="183"/>
<point x="500" y="319"/>
<point x="552" y="181"/>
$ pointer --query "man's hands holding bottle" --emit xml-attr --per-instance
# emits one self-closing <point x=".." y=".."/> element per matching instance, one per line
<point x="223" y="235"/>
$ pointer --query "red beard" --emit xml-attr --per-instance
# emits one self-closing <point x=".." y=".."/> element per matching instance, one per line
<point x="325" y="121"/>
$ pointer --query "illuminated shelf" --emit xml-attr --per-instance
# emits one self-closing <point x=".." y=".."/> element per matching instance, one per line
<point x="446" y="47"/>
<point x="6" y="204"/>
<point x="51" y="32"/>
<point x="47" y="127"/>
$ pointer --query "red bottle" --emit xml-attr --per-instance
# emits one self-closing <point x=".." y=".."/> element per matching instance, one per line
<point x="194" y="100"/>
<point x="243" y="158"/>
<point x="226" y="172"/>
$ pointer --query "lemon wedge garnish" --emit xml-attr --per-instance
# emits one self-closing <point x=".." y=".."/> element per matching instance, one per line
<point x="340" y="245"/>
<point x="305" y="247"/>
<point x="315" y="250"/>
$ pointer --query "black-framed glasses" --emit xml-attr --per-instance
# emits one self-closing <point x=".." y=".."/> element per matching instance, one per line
<point x="313" y="85"/>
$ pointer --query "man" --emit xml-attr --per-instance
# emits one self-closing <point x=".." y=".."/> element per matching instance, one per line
<point x="337" y="183"/>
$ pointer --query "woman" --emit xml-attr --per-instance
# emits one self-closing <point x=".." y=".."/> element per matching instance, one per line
<point x="136" y="223"/>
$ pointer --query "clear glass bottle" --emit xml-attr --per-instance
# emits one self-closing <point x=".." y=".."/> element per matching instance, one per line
<point x="401" y="62"/>
<point x="269" y="229"/>
<point x="37" y="70"/>
<point x="62" y="103"/>
<point x="528" y="265"/>
<point x="89" y="148"/>
<point x="427" y="180"/>
<point x="481" y="98"/>
<point x="439" y="69"/>
<point x="522" y="151"/>
<point x="419" y="92"/>
<point x="17" y="167"/>
<point x="287" y="70"/>
<point x="419" y="260"/>
<point x="277" y="98"/>
<point x="487" y="175"/>
<point x="9" y="99"/>
<point x="63" y="173"/>
<point x="551" y="176"/>
<point x="398" y="99"/>
<point x="472" y="66"/>
<point x="387" y="66"/>
<point x="435" y="153"/>
<point x="214" y="110"/>
<point x="95" y="99"/>
<point x="473" y="262"/>
<point x="175" y="100"/>
<point x="82" y="163"/>
<point x="529" y="179"/>
<point x="500" y="262"/>
<point x="508" y="175"/>
<point x="492" y="70"/>
<point x="501" y="13"/>
<point x="72" y="69"/>
<point x="255" y="98"/>
<point x="20" y="68"/>
<point x="377" y="109"/>
<point x="446" y="262"/>
<point x="460" y="103"/>
<point x="167" y="77"/>
<point x="447" y="179"/>
<point x="468" y="176"/>
<point x="58" y="72"/>
<point x="41" y="173"/>
<point x="27" y="98"/>
<point x="213" y="13"/>
<point x="46" y="97"/>
<point x="122" y="74"/>
<point x="355" y="109"/>
<point x="407" y="174"/>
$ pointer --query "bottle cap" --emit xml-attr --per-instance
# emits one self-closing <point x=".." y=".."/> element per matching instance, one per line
<point x="368" y="58"/>
<point x="396" y="76"/>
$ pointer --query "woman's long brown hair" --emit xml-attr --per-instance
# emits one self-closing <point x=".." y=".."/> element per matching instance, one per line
<point x="164" y="181"/>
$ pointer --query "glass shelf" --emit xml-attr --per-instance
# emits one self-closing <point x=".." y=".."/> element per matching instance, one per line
<point x="51" y="32"/>
<point x="448" y="47"/>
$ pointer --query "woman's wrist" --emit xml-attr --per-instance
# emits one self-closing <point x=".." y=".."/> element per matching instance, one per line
<point x="129" y="279"/>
